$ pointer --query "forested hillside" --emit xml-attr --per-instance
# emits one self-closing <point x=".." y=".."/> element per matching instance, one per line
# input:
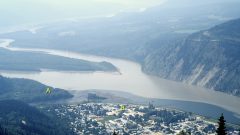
<point x="18" y="118"/>
<point x="29" y="91"/>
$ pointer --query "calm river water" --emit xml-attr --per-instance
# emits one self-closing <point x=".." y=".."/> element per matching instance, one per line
<point x="130" y="78"/>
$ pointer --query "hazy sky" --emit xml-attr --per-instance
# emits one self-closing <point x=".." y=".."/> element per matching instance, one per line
<point x="18" y="12"/>
<point x="14" y="12"/>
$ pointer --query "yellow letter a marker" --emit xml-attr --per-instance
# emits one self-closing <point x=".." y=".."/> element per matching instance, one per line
<point x="48" y="91"/>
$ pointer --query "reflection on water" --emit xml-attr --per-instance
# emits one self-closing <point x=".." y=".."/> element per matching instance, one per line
<point x="131" y="79"/>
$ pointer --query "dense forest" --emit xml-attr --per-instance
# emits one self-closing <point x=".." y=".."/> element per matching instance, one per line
<point x="29" y="91"/>
<point x="18" y="118"/>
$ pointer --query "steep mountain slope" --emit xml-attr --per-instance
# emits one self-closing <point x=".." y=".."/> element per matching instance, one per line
<point x="29" y="91"/>
<point x="208" y="58"/>
<point x="19" y="118"/>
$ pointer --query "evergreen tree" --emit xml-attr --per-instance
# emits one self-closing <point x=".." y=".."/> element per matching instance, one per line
<point x="3" y="131"/>
<point x="114" y="133"/>
<point x="221" y="130"/>
<point x="182" y="133"/>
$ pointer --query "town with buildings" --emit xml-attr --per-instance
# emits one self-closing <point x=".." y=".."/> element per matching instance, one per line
<point x="123" y="119"/>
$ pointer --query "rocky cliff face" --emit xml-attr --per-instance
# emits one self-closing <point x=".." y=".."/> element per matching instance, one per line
<point x="209" y="58"/>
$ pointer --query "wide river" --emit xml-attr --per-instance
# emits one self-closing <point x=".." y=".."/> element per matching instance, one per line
<point x="130" y="79"/>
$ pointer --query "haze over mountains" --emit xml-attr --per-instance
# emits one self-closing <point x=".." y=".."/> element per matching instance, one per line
<point x="160" y="38"/>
